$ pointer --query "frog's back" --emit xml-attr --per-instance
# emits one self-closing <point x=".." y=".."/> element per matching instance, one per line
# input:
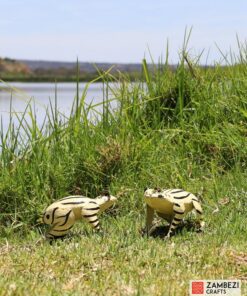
<point x="163" y="201"/>
<point x="72" y="202"/>
<point x="182" y="197"/>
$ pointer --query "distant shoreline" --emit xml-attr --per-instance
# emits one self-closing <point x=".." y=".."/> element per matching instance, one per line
<point x="51" y="71"/>
<point x="132" y="77"/>
<point x="54" y="71"/>
<point x="46" y="79"/>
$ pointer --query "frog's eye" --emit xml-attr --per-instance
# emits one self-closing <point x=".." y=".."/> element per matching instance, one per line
<point x="47" y="216"/>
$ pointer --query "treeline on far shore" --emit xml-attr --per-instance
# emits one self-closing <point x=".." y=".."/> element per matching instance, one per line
<point x="54" y="77"/>
<point x="51" y="71"/>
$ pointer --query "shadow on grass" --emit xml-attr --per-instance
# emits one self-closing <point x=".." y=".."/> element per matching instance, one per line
<point x="162" y="230"/>
<point x="73" y="236"/>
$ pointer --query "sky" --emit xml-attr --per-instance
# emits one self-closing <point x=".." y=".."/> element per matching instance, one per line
<point x="118" y="31"/>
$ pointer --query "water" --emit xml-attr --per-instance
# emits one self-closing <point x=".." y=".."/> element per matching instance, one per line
<point x="41" y="94"/>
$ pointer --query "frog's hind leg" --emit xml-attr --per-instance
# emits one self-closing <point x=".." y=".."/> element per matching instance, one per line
<point x="198" y="208"/>
<point x="90" y="213"/>
<point x="179" y="213"/>
<point x="64" y="222"/>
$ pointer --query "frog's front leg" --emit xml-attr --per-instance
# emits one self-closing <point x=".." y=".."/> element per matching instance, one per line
<point x="90" y="213"/>
<point x="149" y="220"/>
<point x="179" y="212"/>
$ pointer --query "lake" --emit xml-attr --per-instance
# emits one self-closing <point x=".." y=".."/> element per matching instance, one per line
<point x="41" y="95"/>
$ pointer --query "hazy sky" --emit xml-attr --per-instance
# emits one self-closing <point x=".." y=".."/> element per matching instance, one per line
<point x="116" y="30"/>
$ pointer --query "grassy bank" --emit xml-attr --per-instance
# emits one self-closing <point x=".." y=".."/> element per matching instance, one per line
<point x="184" y="129"/>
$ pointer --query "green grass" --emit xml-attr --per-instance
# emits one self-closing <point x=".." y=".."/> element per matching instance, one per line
<point x="184" y="129"/>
